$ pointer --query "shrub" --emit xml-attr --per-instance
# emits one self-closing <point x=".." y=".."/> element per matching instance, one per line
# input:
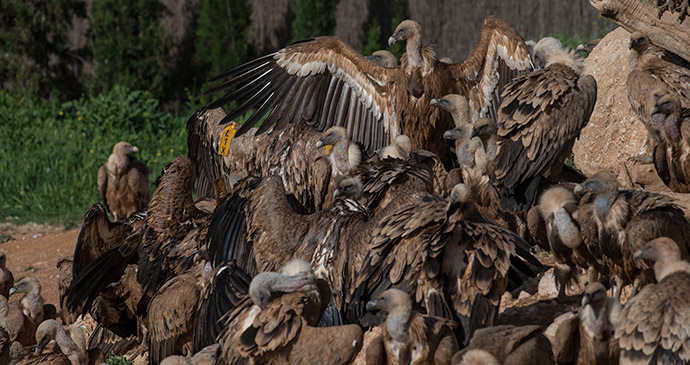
<point x="50" y="152"/>
<point x="313" y="18"/>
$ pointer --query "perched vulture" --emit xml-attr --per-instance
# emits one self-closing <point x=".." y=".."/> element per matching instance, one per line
<point x="71" y="343"/>
<point x="15" y="325"/>
<point x="672" y="70"/>
<point x="506" y="345"/>
<point x="653" y="325"/>
<point x="453" y="261"/>
<point x="556" y="230"/>
<point x="64" y="266"/>
<point x="672" y="155"/>
<point x="383" y="58"/>
<point x="407" y="336"/>
<point x="279" y="327"/>
<point x="541" y="115"/>
<point x="325" y="82"/>
<point x="6" y="277"/>
<point x="587" y="338"/>
<point x="32" y="301"/>
<point x="626" y="221"/>
<point x="98" y="234"/>
<point x="343" y="155"/>
<point x="173" y="227"/>
<point x="171" y="314"/>
<point x="124" y="182"/>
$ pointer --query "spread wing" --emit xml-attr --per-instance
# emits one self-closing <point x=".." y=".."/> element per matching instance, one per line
<point x="541" y="115"/>
<point x="98" y="234"/>
<point x="322" y="81"/>
<point x="499" y="56"/>
<point x="203" y="139"/>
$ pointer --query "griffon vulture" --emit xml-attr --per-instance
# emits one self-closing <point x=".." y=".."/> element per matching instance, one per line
<point x="407" y="336"/>
<point x="279" y="327"/>
<point x="15" y="325"/>
<point x="383" y="58"/>
<point x="541" y="115"/>
<point x="672" y="154"/>
<point x="587" y="338"/>
<point x="506" y="344"/>
<point x="652" y="328"/>
<point x="452" y="260"/>
<point x="400" y="148"/>
<point x="555" y="228"/>
<point x="343" y="155"/>
<point x="627" y="220"/>
<point x="32" y="302"/>
<point x="6" y="277"/>
<point x="326" y="83"/>
<point x="670" y="69"/>
<point x="124" y="182"/>
<point x="71" y="344"/>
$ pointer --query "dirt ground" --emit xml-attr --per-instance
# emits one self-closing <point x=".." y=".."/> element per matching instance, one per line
<point x="34" y="249"/>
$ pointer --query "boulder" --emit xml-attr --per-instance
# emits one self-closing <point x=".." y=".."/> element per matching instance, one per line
<point x="613" y="133"/>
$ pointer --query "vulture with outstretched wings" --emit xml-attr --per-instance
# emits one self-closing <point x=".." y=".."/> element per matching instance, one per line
<point x="326" y="83"/>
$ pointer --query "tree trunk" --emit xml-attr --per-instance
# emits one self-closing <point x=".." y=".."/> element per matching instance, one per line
<point x="642" y="15"/>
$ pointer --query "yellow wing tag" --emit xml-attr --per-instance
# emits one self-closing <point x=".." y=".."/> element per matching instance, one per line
<point x="328" y="149"/>
<point x="225" y="139"/>
<point x="219" y="188"/>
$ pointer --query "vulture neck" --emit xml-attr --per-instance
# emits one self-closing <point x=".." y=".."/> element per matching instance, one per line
<point x="414" y="51"/>
<point x="397" y="321"/>
<point x="671" y="127"/>
<point x="603" y="203"/>
<point x="669" y="265"/>
<point x="569" y="59"/>
<point x="116" y="163"/>
<point x="567" y="230"/>
<point x="344" y="157"/>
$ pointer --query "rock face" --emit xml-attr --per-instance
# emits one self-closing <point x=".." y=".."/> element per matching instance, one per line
<point x="613" y="133"/>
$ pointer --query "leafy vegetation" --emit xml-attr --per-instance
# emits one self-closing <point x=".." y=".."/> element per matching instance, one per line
<point x="50" y="151"/>
<point x="313" y="18"/>
<point x="118" y="360"/>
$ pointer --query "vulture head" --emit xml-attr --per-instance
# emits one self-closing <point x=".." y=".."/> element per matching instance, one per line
<point x="124" y="148"/>
<point x="484" y="128"/>
<point x="400" y="148"/>
<point x="665" y="254"/>
<point x="639" y="42"/>
<point x="350" y="188"/>
<point x="603" y="183"/>
<point x="455" y="134"/>
<point x="398" y="305"/>
<point x="45" y="332"/>
<point x="460" y="200"/>
<point x="456" y="105"/>
<point x="269" y="285"/>
<point x="554" y="206"/>
<point x="332" y="137"/>
<point x="26" y="285"/>
<point x="665" y="103"/>
<point x="383" y="58"/>
<point x="408" y="30"/>
<point x="594" y="296"/>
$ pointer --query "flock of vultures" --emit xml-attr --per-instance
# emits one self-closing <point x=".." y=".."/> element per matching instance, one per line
<point x="409" y="198"/>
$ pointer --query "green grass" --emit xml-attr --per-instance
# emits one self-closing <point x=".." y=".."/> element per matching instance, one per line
<point x="50" y="151"/>
<point x="118" y="360"/>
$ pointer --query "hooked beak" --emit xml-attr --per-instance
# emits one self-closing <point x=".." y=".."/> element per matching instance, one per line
<point x="338" y="192"/>
<point x="135" y="149"/>
<point x="41" y="345"/>
<point x="578" y="189"/>
<point x="655" y="109"/>
<point x="439" y="102"/>
<point x="320" y="143"/>
<point x="372" y="306"/>
<point x="643" y="253"/>
<point x="452" y="134"/>
<point x="585" y="299"/>
<point x="12" y="291"/>
<point x="632" y="44"/>
<point x="392" y="39"/>
<point x="474" y="133"/>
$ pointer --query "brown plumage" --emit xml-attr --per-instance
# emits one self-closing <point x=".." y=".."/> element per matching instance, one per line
<point x="171" y="314"/>
<point x="343" y="155"/>
<point x="454" y="261"/>
<point x="652" y="328"/>
<point x="64" y="266"/>
<point x="278" y="327"/>
<point x="14" y="324"/>
<point x="383" y="58"/>
<point x="668" y="68"/>
<point x="325" y="82"/>
<point x="587" y="338"/>
<point x="70" y="343"/>
<point x="6" y="277"/>
<point x="541" y="115"/>
<point x="407" y="336"/>
<point x="627" y="220"/>
<point x="672" y="154"/>
<point x="124" y="182"/>
<point x="173" y="227"/>
<point x="32" y="301"/>
<point x="98" y="234"/>
<point x="508" y="345"/>
<point x="207" y="356"/>
<point x="400" y="148"/>
<point x="556" y="229"/>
